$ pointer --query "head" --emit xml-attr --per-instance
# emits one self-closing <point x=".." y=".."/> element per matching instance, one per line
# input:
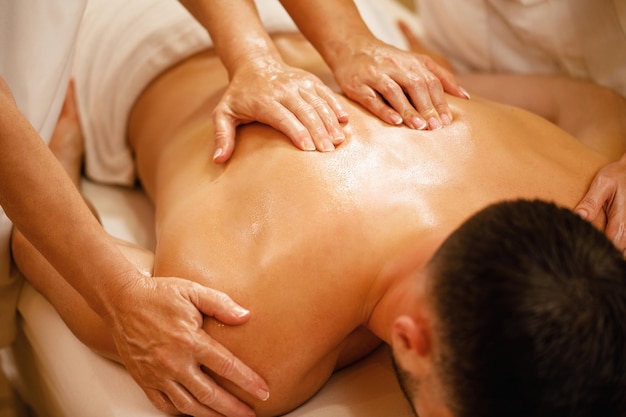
<point x="526" y="316"/>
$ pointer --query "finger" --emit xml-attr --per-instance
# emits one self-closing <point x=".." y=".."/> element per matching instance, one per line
<point x="447" y="79"/>
<point x="369" y="98"/>
<point x="160" y="401"/>
<point x="220" y="361"/>
<point x="419" y="91"/>
<point x="208" y="400"/>
<point x="307" y="107"/>
<point x="616" y="231"/>
<point x="437" y="100"/>
<point x="340" y="115"/>
<point x="331" y="130"/>
<point x="616" y="222"/>
<point x="211" y="395"/>
<point x="593" y="201"/>
<point x="224" y="128"/>
<point x="285" y="121"/>
<point x="394" y="94"/>
<point x="214" y="356"/>
<point x="331" y="99"/>
<point x="214" y="303"/>
<point x="184" y="402"/>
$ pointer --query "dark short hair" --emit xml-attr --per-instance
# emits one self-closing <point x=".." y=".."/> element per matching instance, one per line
<point x="530" y="301"/>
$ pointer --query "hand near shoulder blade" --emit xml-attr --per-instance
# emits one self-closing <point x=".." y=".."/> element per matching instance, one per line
<point x="397" y="86"/>
<point x="159" y="336"/>
<point x="291" y="100"/>
<point x="608" y="193"/>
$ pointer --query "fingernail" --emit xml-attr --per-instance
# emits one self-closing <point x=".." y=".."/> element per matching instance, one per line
<point x="434" y="123"/>
<point x="218" y="153"/>
<point x="308" y="144"/>
<point x="240" y="311"/>
<point x="338" y="137"/>
<point x="445" y="119"/>
<point x="419" y="124"/>
<point x="582" y="213"/>
<point x="263" y="395"/>
<point x="327" y="145"/>
<point x="396" y="119"/>
<point x="465" y="93"/>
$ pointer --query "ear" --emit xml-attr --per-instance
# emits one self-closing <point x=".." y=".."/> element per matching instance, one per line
<point x="411" y="342"/>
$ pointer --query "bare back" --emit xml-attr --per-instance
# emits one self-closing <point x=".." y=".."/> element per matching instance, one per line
<point x="299" y="237"/>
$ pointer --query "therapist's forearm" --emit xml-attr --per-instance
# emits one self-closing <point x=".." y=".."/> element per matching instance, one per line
<point x="43" y="203"/>
<point x="236" y="30"/>
<point x="342" y="26"/>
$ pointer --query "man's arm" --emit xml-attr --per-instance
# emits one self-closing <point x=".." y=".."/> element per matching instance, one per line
<point x="151" y="319"/>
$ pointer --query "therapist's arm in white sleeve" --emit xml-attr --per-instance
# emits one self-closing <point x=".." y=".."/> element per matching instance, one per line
<point x="43" y="203"/>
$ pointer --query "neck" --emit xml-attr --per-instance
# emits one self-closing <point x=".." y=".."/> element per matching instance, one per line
<point x="396" y="291"/>
<point x="397" y="299"/>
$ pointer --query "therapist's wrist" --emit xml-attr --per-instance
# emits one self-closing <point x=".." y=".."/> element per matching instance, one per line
<point x="340" y="51"/>
<point x="262" y="58"/>
<point x="118" y="294"/>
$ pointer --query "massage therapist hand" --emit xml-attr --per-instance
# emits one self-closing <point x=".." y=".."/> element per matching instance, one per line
<point x="155" y="322"/>
<point x="607" y="193"/>
<point x="157" y="328"/>
<point x="289" y="99"/>
<point x="395" y="85"/>
<point x="369" y="71"/>
<point x="262" y="87"/>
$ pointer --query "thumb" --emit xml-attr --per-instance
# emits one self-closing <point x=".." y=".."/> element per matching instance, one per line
<point x="224" y="130"/>
<point x="593" y="201"/>
<point x="214" y="303"/>
<point x="449" y="83"/>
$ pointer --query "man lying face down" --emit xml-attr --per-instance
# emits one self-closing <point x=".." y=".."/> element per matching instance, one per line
<point x="522" y="316"/>
<point x="517" y="311"/>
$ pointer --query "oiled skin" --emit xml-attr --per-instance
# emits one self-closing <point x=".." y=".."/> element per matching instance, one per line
<point x="300" y="238"/>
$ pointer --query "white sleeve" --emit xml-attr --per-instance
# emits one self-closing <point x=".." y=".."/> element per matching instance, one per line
<point x="36" y="44"/>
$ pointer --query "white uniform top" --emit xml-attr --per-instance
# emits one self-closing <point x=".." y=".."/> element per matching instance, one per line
<point x="36" y="44"/>
<point x="579" y="38"/>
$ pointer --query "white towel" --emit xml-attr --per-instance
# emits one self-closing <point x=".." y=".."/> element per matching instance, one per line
<point x="124" y="44"/>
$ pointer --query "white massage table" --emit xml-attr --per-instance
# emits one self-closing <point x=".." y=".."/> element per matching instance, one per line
<point x="57" y="376"/>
